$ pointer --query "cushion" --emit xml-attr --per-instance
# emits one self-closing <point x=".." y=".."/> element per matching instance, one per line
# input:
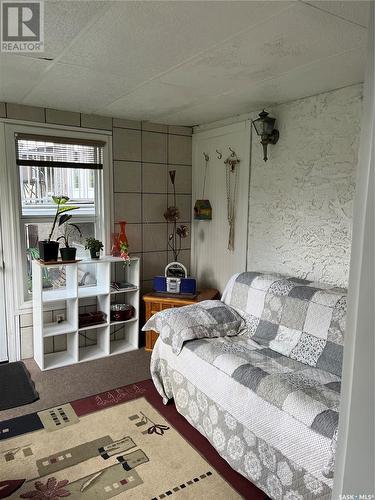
<point x="206" y="319"/>
<point x="294" y="317"/>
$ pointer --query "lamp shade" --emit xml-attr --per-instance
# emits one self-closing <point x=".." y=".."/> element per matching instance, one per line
<point x="264" y="124"/>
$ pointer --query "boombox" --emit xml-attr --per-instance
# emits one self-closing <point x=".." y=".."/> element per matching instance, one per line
<point x="175" y="280"/>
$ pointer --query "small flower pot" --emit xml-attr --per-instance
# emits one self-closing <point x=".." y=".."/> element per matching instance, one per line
<point x="68" y="253"/>
<point x="94" y="254"/>
<point x="48" y="250"/>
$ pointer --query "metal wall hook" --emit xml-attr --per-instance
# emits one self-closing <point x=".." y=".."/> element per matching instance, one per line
<point x="206" y="157"/>
<point x="232" y="160"/>
<point x="219" y="155"/>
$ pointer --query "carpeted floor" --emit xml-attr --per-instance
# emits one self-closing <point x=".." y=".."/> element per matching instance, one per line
<point x="87" y="456"/>
<point x="21" y="439"/>
<point x="82" y="380"/>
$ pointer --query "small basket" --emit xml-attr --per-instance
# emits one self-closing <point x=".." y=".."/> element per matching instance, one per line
<point x="122" y="312"/>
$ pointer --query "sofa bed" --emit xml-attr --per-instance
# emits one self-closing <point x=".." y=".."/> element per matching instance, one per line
<point x="258" y="374"/>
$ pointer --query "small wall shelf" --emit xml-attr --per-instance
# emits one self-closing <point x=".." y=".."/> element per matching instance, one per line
<point x="93" y="341"/>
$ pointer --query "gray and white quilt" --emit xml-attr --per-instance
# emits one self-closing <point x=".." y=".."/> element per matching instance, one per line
<point x="206" y="319"/>
<point x="297" y="318"/>
<point x="310" y="395"/>
<point x="268" y="398"/>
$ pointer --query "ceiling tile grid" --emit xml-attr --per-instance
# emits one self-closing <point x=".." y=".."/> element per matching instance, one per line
<point x="186" y="62"/>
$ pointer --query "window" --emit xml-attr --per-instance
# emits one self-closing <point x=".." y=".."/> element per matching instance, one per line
<point x="50" y="166"/>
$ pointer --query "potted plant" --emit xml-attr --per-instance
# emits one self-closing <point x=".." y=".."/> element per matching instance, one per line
<point x="49" y="249"/>
<point x="94" y="246"/>
<point x="68" y="252"/>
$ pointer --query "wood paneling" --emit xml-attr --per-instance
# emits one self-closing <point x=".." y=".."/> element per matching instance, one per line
<point x="212" y="262"/>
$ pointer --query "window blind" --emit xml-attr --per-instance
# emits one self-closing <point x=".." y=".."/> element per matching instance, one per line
<point x="61" y="152"/>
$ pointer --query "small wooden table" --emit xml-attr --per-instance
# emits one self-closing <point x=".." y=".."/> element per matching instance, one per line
<point x="156" y="302"/>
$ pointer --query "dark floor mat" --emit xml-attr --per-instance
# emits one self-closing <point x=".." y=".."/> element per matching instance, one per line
<point x="16" y="386"/>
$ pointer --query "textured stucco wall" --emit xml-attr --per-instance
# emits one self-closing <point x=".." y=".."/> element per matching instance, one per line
<point x="301" y="200"/>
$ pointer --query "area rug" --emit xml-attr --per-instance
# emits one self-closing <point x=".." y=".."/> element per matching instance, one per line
<point x="114" y="444"/>
<point x="16" y="386"/>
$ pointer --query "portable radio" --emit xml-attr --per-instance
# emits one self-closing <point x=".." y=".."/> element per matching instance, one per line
<point x="175" y="280"/>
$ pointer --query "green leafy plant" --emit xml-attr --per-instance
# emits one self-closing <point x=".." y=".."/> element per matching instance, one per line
<point x="69" y="230"/>
<point x="93" y="244"/>
<point x="61" y="216"/>
<point x="33" y="254"/>
<point x="124" y="253"/>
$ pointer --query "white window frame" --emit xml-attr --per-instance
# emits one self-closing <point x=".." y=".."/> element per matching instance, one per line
<point x="10" y="202"/>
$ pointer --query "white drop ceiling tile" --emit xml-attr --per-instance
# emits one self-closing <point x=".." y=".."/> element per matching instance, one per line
<point x="206" y="112"/>
<point x="356" y="12"/>
<point x="63" y="21"/>
<point x="185" y="63"/>
<point x="74" y="88"/>
<point x="334" y="72"/>
<point x="296" y="37"/>
<point x="216" y="78"/>
<point x="162" y="34"/>
<point x="153" y="98"/>
<point x="17" y="74"/>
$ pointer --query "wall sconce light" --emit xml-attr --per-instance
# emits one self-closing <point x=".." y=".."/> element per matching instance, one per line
<point x="265" y="128"/>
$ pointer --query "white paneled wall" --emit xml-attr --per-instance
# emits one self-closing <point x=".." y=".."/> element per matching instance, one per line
<point x="299" y="220"/>
<point x="212" y="262"/>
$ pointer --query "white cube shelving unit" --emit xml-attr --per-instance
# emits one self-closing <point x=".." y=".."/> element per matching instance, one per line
<point x="102" y="339"/>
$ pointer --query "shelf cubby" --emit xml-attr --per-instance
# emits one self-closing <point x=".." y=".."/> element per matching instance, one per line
<point x="97" y="277"/>
<point x="68" y="312"/>
<point x="123" y="337"/>
<point x="93" y="304"/>
<point x="93" y="343"/>
<point x="59" y="350"/>
<point x="61" y="280"/>
<point x="83" y="286"/>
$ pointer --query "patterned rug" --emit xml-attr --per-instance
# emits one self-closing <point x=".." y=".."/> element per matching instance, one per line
<point x="115" y="444"/>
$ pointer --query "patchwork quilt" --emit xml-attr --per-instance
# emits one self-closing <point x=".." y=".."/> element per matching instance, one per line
<point x="308" y="394"/>
<point x="281" y="446"/>
<point x="302" y="320"/>
<point x="276" y="383"/>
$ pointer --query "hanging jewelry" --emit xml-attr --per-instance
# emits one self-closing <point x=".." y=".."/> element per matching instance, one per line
<point x="231" y="164"/>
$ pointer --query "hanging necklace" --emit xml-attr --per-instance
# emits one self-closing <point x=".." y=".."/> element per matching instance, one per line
<point x="231" y="164"/>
